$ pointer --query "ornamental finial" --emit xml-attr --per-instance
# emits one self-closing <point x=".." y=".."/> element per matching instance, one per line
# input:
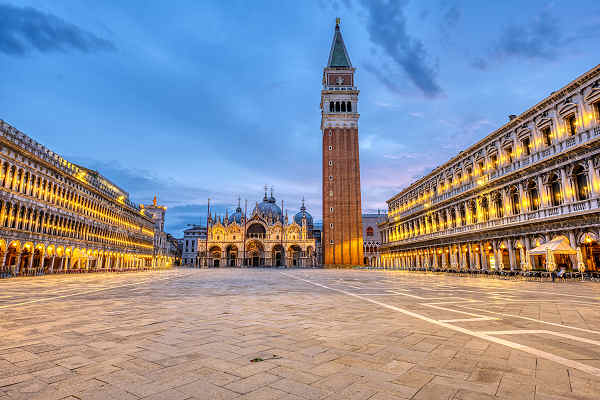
<point x="337" y="21"/>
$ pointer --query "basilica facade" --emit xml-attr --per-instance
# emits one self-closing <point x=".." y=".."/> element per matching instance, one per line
<point x="532" y="184"/>
<point x="264" y="237"/>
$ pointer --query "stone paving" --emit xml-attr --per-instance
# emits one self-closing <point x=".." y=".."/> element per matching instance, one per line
<point x="322" y="334"/>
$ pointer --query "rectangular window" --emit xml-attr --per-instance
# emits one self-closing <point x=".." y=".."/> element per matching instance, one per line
<point x="330" y="241"/>
<point x="509" y="154"/>
<point x="331" y="193"/>
<point x="571" y="125"/>
<point x="331" y="225"/>
<point x="330" y="209"/>
<point x="547" y="136"/>
<point x="525" y="145"/>
<point x="330" y="148"/>
<point x="330" y="163"/>
<point x="494" y="160"/>
<point x="330" y="177"/>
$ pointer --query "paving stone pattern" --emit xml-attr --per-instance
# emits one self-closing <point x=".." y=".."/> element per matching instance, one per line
<point x="190" y="334"/>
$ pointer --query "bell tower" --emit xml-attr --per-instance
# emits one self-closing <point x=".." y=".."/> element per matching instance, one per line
<point x="342" y="218"/>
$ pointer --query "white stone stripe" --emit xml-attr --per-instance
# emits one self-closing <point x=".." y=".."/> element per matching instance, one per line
<point x="542" y="332"/>
<point x="535" y="352"/>
<point x="534" y="319"/>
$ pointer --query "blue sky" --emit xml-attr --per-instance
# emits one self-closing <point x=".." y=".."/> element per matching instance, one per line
<point x="193" y="99"/>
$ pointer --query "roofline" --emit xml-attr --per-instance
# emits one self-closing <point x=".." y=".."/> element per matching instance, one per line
<point x="515" y="121"/>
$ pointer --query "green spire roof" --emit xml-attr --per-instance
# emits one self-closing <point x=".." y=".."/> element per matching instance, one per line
<point x="338" y="56"/>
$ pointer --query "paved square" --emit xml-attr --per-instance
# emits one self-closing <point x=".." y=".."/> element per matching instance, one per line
<point x="322" y="334"/>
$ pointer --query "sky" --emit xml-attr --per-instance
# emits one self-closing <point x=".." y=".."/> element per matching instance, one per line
<point x="191" y="100"/>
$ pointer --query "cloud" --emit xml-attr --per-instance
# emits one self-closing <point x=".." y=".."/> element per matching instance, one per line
<point x="540" y="38"/>
<point x="24" y="29"/>
<point x="386" y="26"/>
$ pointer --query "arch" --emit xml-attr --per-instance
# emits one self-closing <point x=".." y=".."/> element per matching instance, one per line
<point x="369" y="231"/>
<point x="255" y="253"/>
<point x="256" y="230"/>
<point x="337" y="106"/>
<point x="278" y="255"/>
<point x="515" y="200"/>
<point x="295" y="255"/>
<point x="231" y="253"/>
<point x="343" y="106"/>
<point x="348" y="106"/>
<point x="533" y="195"/>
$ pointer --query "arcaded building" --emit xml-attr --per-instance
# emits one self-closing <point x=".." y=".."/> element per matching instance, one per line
<point x="532" y="180"/>
<point x="56" y="216"/>
<point x="342" y="224"/>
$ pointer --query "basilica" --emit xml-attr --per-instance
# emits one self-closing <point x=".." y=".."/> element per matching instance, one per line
<point x="264" y="237"/>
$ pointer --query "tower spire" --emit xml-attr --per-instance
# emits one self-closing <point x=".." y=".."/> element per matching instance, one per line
<point x="338" y="55"/>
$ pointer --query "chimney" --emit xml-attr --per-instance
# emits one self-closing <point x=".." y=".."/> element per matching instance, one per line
<point x="511" y="117"/>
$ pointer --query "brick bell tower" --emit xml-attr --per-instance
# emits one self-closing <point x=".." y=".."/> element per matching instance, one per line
<point x="342" y="218"/>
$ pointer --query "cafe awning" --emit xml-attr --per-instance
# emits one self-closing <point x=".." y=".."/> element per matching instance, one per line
<point x="558" y="245"/>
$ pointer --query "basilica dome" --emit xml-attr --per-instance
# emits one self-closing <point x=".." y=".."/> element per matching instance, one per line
<point x="303" y="214"/>
<point x="268" y="208"/>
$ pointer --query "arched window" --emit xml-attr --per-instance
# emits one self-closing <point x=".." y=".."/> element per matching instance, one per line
<point x="370" y="231"/>
<point x="555" y="190"/>
<point x="516" y="202"/>
<point x="337" y="106"/>
<point x="533" y="195"/>
<point x="343" y="106"/>
<point x="463" y="214"/>
<point x="499" y="206"/>
<point x="349" y="107"/>
<point x="581" y="183"/>
<point x="473" y="210"/>
<point x="485" y="210"/>
<point x="331" y="106"/>
<point x="452" y="217"/>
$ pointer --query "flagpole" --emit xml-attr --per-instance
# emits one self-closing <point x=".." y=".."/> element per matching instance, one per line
<point x="244" y="252"/>
<point x="282" y="231"/>
<point x="206" y="247"/>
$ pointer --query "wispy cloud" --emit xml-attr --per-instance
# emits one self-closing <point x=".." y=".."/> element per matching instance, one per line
<point x="539" y="38"/>
<point x="386" y="25"/>
<point x="24" y="29"/>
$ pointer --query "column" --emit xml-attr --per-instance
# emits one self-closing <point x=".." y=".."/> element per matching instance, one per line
<point x="483" y="256"/>
<point x="511" y="255"/>
<point x="593" y="178"/>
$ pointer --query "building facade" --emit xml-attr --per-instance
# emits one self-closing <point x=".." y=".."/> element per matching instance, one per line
<point x="162" y="250"/>
<point x="528" y="182"/>
<point x="56" y="216"/>
<point x="342" y="225"/>
<point x="193" y="238"/>
<point x="372" y="236"/>
<point x="265" y="238"/>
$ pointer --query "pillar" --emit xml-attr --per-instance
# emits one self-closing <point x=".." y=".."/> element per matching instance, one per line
<point x="511" y="255"/>
<point x="483" y="256"/>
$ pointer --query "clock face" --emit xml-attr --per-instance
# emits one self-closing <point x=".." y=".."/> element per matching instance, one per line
<point x="339" y="80"/>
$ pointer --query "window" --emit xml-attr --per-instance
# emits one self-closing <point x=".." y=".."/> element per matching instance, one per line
<point x="331" y="108"/>
<point x="331" y="193"/>
<point x="330" y="241"/>
<point x="509" y="154"/>
<point x="494" y="160"/>
<point x="330" y="209"/>
<point x="547" y="136"/>
<point x="525" y="145"/>
<point x="469" y="172"/>
<point x="370" y="231"/>
<point x="534" y="198"/>
<point x="330" y="133"/>
<point x="481" y="167"/>
<point x="516" y="203"/>
<point x="349" y="107"/>
<point x="343" y="107"/>
<point x="571" y="125"/>
<point x="581" y="180"/>
<point x="330" y="148"/>
<point x="331" y="225"/>
<point x="555" y="190"/>
<point x="330" y="163"/>
<point x="330" y="177"/>
<point x="597" y="110"/>
<point x="337" y="106"/>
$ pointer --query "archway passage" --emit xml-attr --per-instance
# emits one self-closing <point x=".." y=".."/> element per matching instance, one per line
<point x="277" y="255"/>
<point x="254" y="251"/>
<point x="295" y="254"/>
<point x="232" y="253"/>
